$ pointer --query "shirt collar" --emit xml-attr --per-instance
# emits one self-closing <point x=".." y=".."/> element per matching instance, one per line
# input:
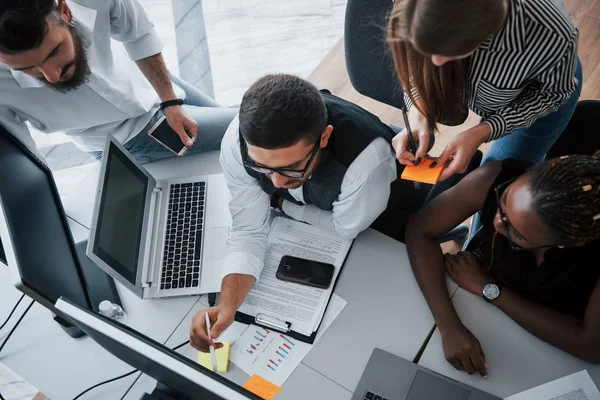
<point x="85" y="20"/>
<point x="512" y="34"/>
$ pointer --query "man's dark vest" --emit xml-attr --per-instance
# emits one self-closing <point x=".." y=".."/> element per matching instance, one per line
<point x="353" y="130"/>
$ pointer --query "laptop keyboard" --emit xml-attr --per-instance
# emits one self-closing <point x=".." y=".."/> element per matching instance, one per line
<point x="183" y="236"/>
<point x="372" y="396"/>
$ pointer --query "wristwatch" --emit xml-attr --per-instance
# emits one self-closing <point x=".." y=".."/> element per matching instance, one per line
<point x="491" y="291"/>
<point x="275" y="202"/>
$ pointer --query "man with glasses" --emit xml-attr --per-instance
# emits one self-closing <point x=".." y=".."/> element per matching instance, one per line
<point x="315" y="157"/>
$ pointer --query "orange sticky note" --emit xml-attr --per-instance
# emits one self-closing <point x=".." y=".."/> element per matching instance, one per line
<point x="261" y="387"/>
<point x="422" y="173"/>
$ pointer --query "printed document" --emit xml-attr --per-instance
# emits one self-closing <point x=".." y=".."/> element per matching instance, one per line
<point x="269" y="354"/>
<point x="577" y="386"/>
<point x="302" y="306"/>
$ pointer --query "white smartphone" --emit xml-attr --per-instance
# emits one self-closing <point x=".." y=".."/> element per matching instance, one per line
<point x="162" y="132"/>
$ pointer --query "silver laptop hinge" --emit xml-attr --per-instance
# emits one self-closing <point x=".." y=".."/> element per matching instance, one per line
<point x="151" y="259"/>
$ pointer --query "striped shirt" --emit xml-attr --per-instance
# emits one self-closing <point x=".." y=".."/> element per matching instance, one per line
<point x="526" y="70"/>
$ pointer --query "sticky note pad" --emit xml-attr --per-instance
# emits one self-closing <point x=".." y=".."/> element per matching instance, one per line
<point x="422" y="173"/>
<point x="222" y="356"/>
<point x="261" y="387"/>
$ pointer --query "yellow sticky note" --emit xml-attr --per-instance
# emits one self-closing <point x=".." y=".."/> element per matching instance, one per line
<point x="261" y="387"/>
<point x="422" y="173"/>
<point x="222" y="356"/>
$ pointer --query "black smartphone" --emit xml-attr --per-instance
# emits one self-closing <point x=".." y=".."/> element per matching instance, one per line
<point x="162" y="132"/>
<point x="305" y="272"/>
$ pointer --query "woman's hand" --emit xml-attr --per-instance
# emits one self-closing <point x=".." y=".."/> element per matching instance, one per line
<point x="420" y="134"/>
<point x="463" y="351"/>
<point x="460" y="149"/>
<point x="466" y="270"/>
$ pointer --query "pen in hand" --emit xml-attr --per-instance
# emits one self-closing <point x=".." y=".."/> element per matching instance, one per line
<point x="411" y="142"/>
<point x="211" y="347"/>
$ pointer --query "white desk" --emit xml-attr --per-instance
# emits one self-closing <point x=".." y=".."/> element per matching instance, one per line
<point x="516" y="360"/>
<point x="295" y="387"/>
<point x="383" y="300"/>
<point x="377" y="281"/>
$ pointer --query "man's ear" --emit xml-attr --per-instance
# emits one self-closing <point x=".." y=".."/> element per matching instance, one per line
<point x="65" y="11"/>
<point x="325" y="136"/>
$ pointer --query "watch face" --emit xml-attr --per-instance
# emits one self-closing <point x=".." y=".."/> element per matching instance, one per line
<point x="491" y="291"/>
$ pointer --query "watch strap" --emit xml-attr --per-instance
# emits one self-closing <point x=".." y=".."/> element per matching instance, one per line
<point x="169" y="103"/>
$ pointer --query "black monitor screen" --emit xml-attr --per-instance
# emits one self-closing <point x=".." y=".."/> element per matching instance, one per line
<point x="40" y="235"/>
<point x="121" y="214"/>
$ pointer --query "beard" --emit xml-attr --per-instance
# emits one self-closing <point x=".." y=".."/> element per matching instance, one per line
<point x="294" y="183"/>
<point x="82" y="69"/>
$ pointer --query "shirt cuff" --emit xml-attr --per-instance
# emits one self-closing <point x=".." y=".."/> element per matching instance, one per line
<point x="497" y="126"/>
<point x="146" y="46"/>
<point x="242" y="263"/>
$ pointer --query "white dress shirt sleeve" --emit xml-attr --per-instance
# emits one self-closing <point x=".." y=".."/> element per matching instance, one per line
<point x="364" y="194"/>
<point x="250" y="211"/>
<point x="11" y="122"/>
<point x="130" y="24"/>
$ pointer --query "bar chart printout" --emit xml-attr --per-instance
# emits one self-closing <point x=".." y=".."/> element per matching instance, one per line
<point x="269" y="354"/>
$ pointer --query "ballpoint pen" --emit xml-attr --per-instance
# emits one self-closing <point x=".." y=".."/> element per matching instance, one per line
<point x="213" y="357"/>
<point x="411" y="142"/>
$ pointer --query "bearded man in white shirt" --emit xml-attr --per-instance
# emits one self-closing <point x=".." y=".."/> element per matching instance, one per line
<point x="61" y="70"/>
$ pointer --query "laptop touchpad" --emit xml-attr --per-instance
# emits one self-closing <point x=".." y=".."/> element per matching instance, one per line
<point x="427" y="387"/>
<point x="217" y="243"/>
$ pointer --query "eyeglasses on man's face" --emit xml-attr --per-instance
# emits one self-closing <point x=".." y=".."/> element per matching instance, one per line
<point x="290" y="173"/>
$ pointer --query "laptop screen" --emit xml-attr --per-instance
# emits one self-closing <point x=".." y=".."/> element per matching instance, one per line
<point x="121" y="214"/>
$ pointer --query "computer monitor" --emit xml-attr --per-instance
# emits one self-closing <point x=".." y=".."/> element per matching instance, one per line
<point x="185" y="379"/>
<point x="44" y="261"/>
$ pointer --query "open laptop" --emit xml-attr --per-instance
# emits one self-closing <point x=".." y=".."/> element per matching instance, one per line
<point x="159" y="238"/>
<point x="393" y="378"/>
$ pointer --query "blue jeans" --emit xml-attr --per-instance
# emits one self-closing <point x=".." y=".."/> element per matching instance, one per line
<point x="212" y="120"/>
<point x="531" y="144"/>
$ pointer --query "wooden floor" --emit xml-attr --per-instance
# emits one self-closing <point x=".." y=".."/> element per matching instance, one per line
<point x="331" y="73"/>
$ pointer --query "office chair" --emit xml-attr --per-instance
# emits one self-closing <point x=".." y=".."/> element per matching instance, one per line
<point x="582" y="134"/>
<point x="371" y="67"/>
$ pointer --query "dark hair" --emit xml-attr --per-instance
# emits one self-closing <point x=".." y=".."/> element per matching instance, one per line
<point x="280" y="110"/>
<point x="23" y="24"/>
<point x="566" y="196"/>
<point x="439" y="27"/>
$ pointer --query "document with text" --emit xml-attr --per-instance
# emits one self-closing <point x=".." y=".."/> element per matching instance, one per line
<point x="577" y="386"/>
<point x="302" y="306"/>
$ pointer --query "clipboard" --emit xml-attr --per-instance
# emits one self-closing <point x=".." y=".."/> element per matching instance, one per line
<point x="270" y="322"/>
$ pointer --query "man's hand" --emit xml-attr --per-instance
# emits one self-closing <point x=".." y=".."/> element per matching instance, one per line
<point x="466" y="270"/>
<point x="420" y="133"/>
<point x="181" y="123"/>
<point x="220" y="317"/>
<point x="460" y="149"/>
<point x="463" y="351"/>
